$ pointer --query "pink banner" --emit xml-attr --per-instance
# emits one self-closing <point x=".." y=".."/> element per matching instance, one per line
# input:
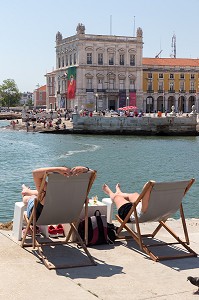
<point x="132" y="98"/>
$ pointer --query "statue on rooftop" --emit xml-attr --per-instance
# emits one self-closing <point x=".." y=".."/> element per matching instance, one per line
<point x="80" y="29"/>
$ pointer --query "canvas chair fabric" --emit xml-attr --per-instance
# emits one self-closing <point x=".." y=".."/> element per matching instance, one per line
<point x="64" y="200"/>
<point x="165" y="200"/>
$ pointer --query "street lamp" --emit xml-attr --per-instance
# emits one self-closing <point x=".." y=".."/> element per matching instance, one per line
<point x="96" y="96"/>
<point x="127" y="101"/>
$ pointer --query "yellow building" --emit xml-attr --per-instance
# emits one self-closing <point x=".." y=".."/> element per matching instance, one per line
<point x="168" y="82"/>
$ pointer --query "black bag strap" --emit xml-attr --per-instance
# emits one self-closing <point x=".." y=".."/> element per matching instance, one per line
<point x="97" y="212"/>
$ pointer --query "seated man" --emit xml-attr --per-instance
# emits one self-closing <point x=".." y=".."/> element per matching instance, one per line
<point x="124" y="201"/>
<point x="29" y="195"/>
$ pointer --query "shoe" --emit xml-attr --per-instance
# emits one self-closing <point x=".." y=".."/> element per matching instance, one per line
<point x="30" y="232"/>
<point x="60" y="230"/>
<point x="52" y="231"/>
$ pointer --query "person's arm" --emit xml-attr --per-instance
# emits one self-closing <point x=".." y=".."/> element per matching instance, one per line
<point x="39" y="173"/>
<point x="79" y="170"/>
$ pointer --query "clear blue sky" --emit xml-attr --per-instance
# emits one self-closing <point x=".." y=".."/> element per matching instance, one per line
<point x="28" y="29"/>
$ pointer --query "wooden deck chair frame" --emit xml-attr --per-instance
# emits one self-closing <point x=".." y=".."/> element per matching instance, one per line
<point x="73" y="225"/>
<point x="139" y="238"/>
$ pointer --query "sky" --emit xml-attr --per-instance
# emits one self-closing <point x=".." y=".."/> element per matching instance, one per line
<point x="28" y="29"/>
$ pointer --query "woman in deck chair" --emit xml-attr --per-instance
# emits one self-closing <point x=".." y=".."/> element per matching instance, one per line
<point x="124" y="201"/>
<point x="29" y="195"/>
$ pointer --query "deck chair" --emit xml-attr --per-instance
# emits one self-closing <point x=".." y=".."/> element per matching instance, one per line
<point x="165" y="200"/>
<point x="64" y="200"/>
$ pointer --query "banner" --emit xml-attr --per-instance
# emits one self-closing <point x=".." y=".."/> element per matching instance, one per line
<point x="132" y="98"/>
<point x="122" y="98"/>
<point x="71" y="88"/>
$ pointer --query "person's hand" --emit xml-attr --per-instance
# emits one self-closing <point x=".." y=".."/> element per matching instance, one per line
<point x="65" y="171"/>
<point x="25" y="190"/>
<point x="78" y="170"/>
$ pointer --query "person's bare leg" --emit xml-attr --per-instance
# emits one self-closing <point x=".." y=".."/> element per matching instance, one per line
<point x="26" y="199"/>
<point x="117" y="198"/>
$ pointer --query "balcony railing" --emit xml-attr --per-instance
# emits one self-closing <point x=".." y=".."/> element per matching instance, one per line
<point x="89" y="90"/>
<point x="101" y="90"/>
<point x="182" y="91"/>
<point x="192" y="91"/>
<point x="150" y="91"/>
<point x="160" y="91"/>
<point x="171" y="91"/>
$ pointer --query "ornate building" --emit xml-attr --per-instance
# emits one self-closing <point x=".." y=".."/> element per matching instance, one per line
<point x="97" y="72"/>
<point x="170" y="81"/>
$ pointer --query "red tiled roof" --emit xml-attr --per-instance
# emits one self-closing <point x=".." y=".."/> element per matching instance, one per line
<point x="184" y="62"/>
<point x="42" y="88"/>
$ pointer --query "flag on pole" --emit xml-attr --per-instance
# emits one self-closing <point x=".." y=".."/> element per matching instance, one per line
<point x="71" y="83"/>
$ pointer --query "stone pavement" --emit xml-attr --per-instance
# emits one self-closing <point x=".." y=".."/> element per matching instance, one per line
<point x="122" y="272"/>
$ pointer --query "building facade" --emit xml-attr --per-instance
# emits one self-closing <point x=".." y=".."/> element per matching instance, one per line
<point x="97" y="72"/>
<point x="40" y="97"/>
<point x="170" y="82"/>
<point x="26" y="98"/>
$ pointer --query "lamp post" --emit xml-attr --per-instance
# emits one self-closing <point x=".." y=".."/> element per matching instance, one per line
<point x="127" y="101"/>
<point x="96" y="97"/>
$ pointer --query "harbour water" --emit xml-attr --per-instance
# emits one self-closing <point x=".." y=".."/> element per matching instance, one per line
<point x="129" y="160"/>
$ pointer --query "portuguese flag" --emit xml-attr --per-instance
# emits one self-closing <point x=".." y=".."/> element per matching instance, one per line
<point x="71" y="88"/>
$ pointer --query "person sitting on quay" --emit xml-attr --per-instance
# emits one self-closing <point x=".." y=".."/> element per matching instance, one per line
<point x="124" y="201"/>
<point x="29" y="195"/>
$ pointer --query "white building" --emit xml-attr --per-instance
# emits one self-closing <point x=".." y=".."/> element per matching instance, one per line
<point x="106" y="71"/>
<point x="26" y="97"/>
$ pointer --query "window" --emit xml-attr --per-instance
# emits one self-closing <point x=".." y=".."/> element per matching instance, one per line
<point x="75" y="59"/>
<point x="132" y="84"/>
<point x="71" y="60"/>
<point x="150" y="86"/>
<point x="121" y="84"/>
<point x="62" y="62"/>
<point x="66" y="60"/>
<point x="150" y="75"/>
<point x="192" y="85"/>
<point x="59" y="62"/>
<point x="111" y="84"/>
<point x="182" y="86"/>
<point x="161" y="86"/>
<point x="171" y="86"/>
<point x="111" y="59"/>
<point x="161" y="76"/>
<point x="100" y="58"/>
<point x="182" y="76"/>
<point x="132" y="59"/>
<point x="89" y="83"/>
<point x="99" y="84"/>
<point x="89" y="58"/>
<point x="171" y="76"/>
<point x="192" y="76"/>
<point x="121" y="59"/>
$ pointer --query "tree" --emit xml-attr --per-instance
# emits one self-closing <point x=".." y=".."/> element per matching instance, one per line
<point x="9" y="93"/>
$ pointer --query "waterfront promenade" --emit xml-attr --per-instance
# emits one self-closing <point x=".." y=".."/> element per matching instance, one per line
<point x="121" y="273"/>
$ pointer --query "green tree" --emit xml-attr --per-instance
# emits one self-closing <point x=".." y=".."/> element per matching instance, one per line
<point x="9" y="93"/>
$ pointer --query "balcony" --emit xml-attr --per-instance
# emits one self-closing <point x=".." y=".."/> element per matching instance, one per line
<point x="171" y="91"/>
<point x="160" y="91"/>
<point x="192" y="91"/>
<point x="182" y="91"/>
<point x="150" y="91"/>
<point x="101" y="90"/>
<point x="89" y="90"/>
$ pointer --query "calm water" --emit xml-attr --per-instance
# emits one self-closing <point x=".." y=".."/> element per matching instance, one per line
<point x="129" y="160"/>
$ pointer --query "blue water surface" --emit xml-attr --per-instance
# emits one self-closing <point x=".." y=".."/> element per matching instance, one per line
<point x="129" y="160"/>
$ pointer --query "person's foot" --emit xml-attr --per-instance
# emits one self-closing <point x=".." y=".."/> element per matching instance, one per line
<point x="118" y="187"/>
<point x="106" y="189"/>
